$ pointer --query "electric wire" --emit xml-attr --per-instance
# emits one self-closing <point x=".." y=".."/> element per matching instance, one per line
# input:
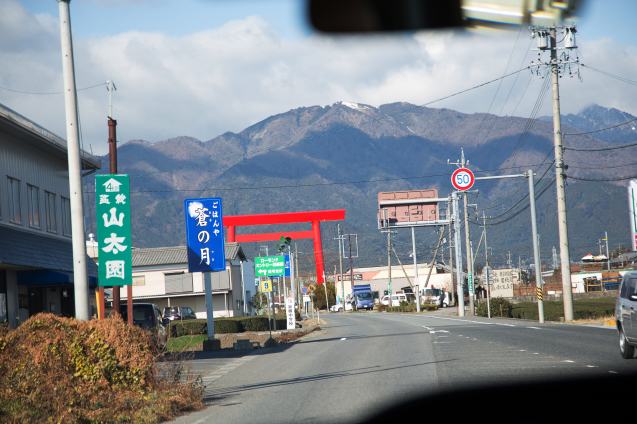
<point x="600" y="150"/>
<point x="57" y="92"/>
<point x="608" y="74"/>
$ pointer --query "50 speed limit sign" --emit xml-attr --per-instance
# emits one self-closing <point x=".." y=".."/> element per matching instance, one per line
<point x="462" y="179"/>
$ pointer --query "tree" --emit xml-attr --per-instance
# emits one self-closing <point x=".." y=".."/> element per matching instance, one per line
<point x="259" y="301"/>
<point x="525" y="278"/>
<point x="319" y="295"/>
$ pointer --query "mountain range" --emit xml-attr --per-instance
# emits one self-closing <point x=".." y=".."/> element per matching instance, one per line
<point x="342" y="155"/>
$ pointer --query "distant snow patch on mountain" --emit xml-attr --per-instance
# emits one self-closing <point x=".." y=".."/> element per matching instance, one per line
<point x="355" y="106"/>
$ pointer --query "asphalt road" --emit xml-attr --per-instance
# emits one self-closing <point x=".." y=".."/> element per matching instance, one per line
<point x="362" y="363"/>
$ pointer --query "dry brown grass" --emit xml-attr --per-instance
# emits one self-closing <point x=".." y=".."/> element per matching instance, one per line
<point x="605" y="321"/>
<point x="56" y="369"/>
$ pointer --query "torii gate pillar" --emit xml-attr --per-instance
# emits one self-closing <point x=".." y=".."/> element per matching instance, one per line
<point x="231" y="222"/>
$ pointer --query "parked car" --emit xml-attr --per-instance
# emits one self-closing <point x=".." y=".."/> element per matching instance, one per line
<point x="397" y="298"/>
<point x="626" y="315"/>
<point x="384" y="300"/>
<point x="339" y="307"/>
<point x="174" y="313"/>
<point x="147" y="316"/>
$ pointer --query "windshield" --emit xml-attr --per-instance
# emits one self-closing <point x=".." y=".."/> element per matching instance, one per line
<point x="459" y="175"/>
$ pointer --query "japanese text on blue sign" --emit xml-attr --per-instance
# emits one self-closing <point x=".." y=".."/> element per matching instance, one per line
<point x="204" y="234"/>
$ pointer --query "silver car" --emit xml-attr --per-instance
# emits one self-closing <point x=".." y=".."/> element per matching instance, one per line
<point x="626" y="314"/>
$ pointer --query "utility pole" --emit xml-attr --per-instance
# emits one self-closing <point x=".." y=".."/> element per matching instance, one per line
<point x="457" y="243"/>
<point x="80" y="277"/>
<point x="559" y="182"/>
<point x="536" y="249"/>
<point x="388" y="231"/>
<point x="340" y="262"/>
<point x="547" y="41"/>
<point x="296" y="270"/>
<point x="468" y="242"/>
<point x="416" y="278"/>
<point x="607" y="254"/>
<point x="486" y="264"/>
<point x="453" y="289"/>
<point x="389" y="266"/>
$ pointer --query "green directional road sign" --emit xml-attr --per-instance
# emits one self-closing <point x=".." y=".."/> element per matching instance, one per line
<point x="112" y="195"/>
<point x="269" y="266"/>
<point x="470" y="283"/>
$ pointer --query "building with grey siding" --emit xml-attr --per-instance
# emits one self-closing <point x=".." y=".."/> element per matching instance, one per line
<point x="36" y="259"/>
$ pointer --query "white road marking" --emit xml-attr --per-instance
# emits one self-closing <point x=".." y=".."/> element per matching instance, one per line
<point x="613" y="372"/>
<point x="568" y="360"/>
<point x="344" y="338"/>
<point x="591" y="366"/>
<point x="522" y="350"/>
<point x="535" y="328"/>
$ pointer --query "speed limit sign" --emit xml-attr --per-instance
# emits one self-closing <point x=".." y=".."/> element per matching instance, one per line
<point x="462" y="179"/>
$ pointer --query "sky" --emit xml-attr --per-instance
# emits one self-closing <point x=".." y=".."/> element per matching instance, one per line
<point x="200" y="68"/>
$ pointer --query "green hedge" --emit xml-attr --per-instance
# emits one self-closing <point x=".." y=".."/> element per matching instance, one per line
<point x="411" y="308"/>
<point x="237" y="324"/>
<point x="497" y="304"/>
<point x="554" y="310"/>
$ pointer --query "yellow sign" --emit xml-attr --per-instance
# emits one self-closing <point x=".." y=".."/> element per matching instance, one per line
<point x="266" y="286"/>
<point x="311" y="288"/>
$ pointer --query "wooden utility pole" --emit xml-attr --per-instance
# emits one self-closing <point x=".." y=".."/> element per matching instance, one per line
<point x="112" y="156"/>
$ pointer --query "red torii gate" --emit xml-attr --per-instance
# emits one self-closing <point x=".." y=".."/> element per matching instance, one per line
<point x="286" y="218"/>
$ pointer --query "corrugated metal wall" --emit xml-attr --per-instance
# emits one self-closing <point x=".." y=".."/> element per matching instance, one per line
<point x="24" y="162"/>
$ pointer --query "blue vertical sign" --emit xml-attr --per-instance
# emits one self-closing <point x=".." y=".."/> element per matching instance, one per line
<point x="204" y="235"/>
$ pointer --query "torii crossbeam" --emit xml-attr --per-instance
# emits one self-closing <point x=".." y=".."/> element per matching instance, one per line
<point x="315" y="217"/>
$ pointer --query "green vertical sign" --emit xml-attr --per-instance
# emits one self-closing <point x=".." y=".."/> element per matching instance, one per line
<point x="112" y="195"/>
<point x="470" y="283"/>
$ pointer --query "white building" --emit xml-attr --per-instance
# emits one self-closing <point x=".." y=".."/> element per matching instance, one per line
<point x="160" y="276"/>
<point x="36" y="259"/>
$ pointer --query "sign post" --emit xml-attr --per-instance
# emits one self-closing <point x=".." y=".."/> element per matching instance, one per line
<point x="206" y="247"/>
<point x="112" y="195"/>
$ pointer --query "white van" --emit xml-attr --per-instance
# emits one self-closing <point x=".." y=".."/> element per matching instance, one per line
<point x="397" y="298"/>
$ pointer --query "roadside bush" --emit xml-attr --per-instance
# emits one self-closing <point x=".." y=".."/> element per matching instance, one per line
<point x="554" y="310"/>
<point x="381" y="308"/>
<point x="496" y="302"/>
<point x="238" y="324"/>
<point x="66" y="370"/>
<point x="429" y="307"/>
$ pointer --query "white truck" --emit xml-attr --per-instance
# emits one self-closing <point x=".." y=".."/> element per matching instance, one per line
<point x="432" y="295"/>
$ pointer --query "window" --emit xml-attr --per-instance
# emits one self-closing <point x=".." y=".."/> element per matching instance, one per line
<point x="66" y="216"/>
<point x="15" y="212"/>
<point x="139" y="281"/>
<point x="33" y="194"/>
<point x="51" y="221"/>
<point x="178" y="282"/>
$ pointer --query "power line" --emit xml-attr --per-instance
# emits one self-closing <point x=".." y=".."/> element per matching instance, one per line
<point x="57" y="92"/>
<point x="602" y="129"/>
<point x="243" y="155"/>
<point x="608" y="74"/>
<point x="603" y="167"/>
<point x="631" y="177"/>
<point x="601" y="150"/>
<point x="313" y="185"/>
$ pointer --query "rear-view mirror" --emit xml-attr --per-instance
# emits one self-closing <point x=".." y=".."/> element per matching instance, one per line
<point x="352" y="16"/>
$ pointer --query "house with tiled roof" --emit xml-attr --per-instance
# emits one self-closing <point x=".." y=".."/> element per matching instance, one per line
<point x="160" y="276"/>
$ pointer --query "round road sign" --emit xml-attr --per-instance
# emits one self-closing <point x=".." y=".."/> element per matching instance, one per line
<point x="304" y="290"/>
<point x="462" y="179"/>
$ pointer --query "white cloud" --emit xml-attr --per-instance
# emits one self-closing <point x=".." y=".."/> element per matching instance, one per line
<point x="227" y="78"/>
